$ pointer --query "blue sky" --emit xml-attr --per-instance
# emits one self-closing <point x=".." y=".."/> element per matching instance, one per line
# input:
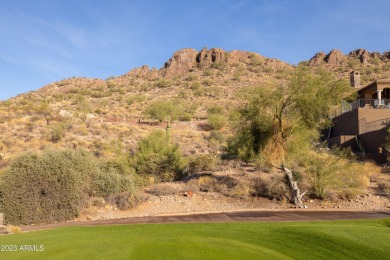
<point x="43" y="41"/>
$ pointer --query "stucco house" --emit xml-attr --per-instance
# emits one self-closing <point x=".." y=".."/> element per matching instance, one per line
<point x="362" y="124"/>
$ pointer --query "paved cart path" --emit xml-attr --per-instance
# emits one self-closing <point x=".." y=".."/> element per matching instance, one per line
<point x="236" y="216"/>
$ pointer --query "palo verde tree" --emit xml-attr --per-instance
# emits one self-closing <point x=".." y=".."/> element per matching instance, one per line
<point x="278" y="124"/>
<point x="276" y="117"/>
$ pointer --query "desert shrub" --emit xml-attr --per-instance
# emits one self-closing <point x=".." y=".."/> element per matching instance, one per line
<point x="216" y="137"/>
<point x="186" y="117"/>
<point x="161" y="110"/>
<point x="54" y="186"/>
<point x="175" y="110"/>
<point x="344" y="153"/>
<point x="112" y="182"/>
<point x="57" y="133"/>
<point x="10" y="229"/>
<point x="241" y="189"/>
<point x="191" y="77"/>
<point x="135" y="99"/>
<point x="201" y="163"/>
<point x="115" y="176"/>
<point x="163" y="83"/>
<point x="216" y="117"/>
<point x="222" y="184"/>
<point x="164" y="189"/>
<point x="158" y="157"/>
<point x="384" y="186"/>
<point x="332" y="177"/>
<point x="219" y="65"/>
<point x="100" y="94"/>
<point x="126" y="200"/>
<point x="208" y="73"/>
<point x="46" y="188"/>
<point x="207" y="82"/>
<point x="272" y="186"/>
<point x="216" y="121"/>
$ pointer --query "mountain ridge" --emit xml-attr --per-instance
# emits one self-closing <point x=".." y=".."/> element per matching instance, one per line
<point x="89" y="111"/>
<point x="187" y="60"/>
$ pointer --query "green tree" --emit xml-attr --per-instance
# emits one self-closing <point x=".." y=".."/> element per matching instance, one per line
<point x="282" y="119"/>
<point x="279" y="124"/>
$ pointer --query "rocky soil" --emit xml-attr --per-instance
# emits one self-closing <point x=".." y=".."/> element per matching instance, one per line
<point x="185" y="202"/>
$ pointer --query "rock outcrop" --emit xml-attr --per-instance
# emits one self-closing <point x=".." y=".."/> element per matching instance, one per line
<point x="317" y="59"/>
<point x="336" y="58"/>
<point x="181" y="62"/>
<point x="144" y="72"/>
<point x="360" y="54"/>
<point x="187" y="60"/>
<point x="207" y="57"/>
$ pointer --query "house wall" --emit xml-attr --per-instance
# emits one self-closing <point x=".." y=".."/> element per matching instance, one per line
<point x="346" y="124"/>
<point x="370" y="125"/>
<point x="344" y="141"/>
<point x="353" y="122"/>
<point x="383" y="85"/>
<point x="371" y="115"/>
<point x="373" y="141"/>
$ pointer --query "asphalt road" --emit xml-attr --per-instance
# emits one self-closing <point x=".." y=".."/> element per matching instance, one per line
<point x="237" y="216"/>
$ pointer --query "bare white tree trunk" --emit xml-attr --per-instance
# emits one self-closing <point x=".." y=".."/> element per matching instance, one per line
<point x="294" y="187"/>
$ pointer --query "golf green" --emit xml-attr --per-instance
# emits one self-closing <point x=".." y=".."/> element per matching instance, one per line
<point x="363" y="239"/>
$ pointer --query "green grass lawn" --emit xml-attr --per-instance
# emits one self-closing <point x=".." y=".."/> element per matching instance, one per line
<point x="367" y="239"/>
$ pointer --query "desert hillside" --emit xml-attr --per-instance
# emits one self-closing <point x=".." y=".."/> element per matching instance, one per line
<point x="194" y="98"/>
<point x="100" y="114"/>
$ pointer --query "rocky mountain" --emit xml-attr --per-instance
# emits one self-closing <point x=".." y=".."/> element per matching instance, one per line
<point x="371" y="65"/>
<point x="107" y="116"/>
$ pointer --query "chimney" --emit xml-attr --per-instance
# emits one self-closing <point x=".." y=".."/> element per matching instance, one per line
<point x="354" y="78"/>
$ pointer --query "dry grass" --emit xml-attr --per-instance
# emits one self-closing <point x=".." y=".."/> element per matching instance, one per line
<point x="164" y="189"/>
<point x="223" y="184"/>
<point x="13" y="229"/>
<point x="272" y="186"/>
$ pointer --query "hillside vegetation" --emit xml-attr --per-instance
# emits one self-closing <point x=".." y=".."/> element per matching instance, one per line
<point x="186" y="118"/>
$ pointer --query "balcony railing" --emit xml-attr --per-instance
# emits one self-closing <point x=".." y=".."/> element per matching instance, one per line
<point x="366" y="103"/>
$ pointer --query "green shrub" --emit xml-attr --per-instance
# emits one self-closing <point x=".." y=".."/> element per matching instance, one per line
<point x="115" y="176"/>
<point x="216" y="137"/>
<point x="162" y="110"/>
<point x="54" y="186"/>
<point x="57" y="133"/>
<point x="157" y="157"/>
<point x="191" y="77"/>
<point x="45" y="188"/>
<point x="216" y="117"/>
<point x="135" y="99"/>
<point x="332" y="177"/>
<point x="216" y="121"/>
<point x="203" y="162"/>
<point x="207" y="82"/>
<point x="112" y="182"/>
<point x="163" y="83"/>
